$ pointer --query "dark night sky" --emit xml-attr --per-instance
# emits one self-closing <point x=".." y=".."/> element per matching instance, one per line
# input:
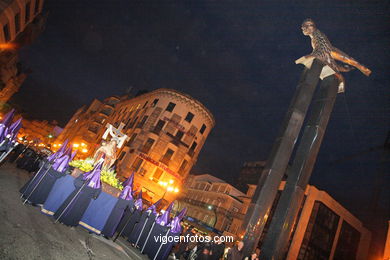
<point x="237" y="58"/>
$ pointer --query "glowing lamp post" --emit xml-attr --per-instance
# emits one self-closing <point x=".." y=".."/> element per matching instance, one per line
<point x="168" y="188"/>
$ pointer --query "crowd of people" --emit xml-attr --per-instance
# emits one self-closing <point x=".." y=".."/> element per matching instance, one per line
<point x="216" y="250"/>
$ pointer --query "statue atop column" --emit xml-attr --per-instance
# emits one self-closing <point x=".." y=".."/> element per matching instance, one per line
<point x="328" y="54"/>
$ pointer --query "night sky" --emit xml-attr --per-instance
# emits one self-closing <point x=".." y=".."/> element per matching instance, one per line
<point x="237" y="58"/>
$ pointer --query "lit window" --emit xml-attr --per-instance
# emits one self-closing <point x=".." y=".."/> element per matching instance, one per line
<point x="157" y="175"/>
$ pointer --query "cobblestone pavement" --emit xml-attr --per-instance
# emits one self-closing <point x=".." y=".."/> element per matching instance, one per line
<point x="25" y="233"/>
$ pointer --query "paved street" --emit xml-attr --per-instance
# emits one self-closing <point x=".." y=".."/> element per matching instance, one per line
<point x="25" y="233"/>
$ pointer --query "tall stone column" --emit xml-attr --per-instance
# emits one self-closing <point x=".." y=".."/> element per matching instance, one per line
<point x="276" y="241"/>
<point x="277" y="162"/>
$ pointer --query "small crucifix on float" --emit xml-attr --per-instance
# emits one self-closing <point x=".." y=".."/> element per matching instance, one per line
<point x="109" y="149"/>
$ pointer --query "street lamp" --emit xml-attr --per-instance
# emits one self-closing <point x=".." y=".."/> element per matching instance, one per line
<point x="168" y="188"/>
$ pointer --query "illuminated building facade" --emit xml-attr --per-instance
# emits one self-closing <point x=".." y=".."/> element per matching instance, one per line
<point x="40" y="132"/>
<point x="87" y="125"/>
<point x="212" y="201"/>
<point x="166" y="130"/>
<point x="325" y="229"/>
<point x="21" y="21"/>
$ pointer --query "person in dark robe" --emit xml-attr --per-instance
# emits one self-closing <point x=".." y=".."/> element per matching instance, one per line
<point x="172" y="236"/>
<point x="87" y="187"/>
<point x="125" y="200"/>
<point x="131" y="217"/>
<point x="236" y="252"/>
<point x="217" y="250"/>
<point x="46" y="164"/>
<point x="7" y="139"/>
<point x="159" y="228"/>
<point x="142" y="228"/>
<point x="37" y="189"/>
<point x="16" y="153"/>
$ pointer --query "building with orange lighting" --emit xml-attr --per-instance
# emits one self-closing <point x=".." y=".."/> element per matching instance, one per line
<point x="40" y="132"/>
<point x="87" y="125"/>
<point x="166" y="130"/>
<point x="21" y="22"/>
<point x="325" y="229"/>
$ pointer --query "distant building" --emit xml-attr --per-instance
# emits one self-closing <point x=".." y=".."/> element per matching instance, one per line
<point x="250" y="174"/>
<point x="212" y="201"/>
<point x="166" y="130"/>
<point x="39" y="132"/>
<point x="87" y="125"/>
<point x="21" y="21"/>
<point x="325" y="230"/>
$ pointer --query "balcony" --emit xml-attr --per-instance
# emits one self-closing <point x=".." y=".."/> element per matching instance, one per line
<point x="176" y="141"/>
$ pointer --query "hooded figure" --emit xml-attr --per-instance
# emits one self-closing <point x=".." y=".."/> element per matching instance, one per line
<point x="175" y="231"/>
<point x="87" y="187"/>
<point x="125" y="201"/>
<point x="160" y="228"/>
<point x="5" y="123"/>
<point x="37" y="189"/>
<point x="8" y="133"/>
<point x="60" y="151"/>
<point x="131" y="217"/>
<point x="142" y="228"/>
